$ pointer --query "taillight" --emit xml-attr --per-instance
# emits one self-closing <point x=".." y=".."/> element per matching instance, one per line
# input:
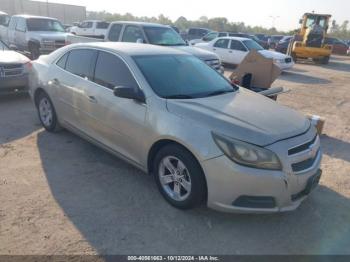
<point x="28" y="66"/>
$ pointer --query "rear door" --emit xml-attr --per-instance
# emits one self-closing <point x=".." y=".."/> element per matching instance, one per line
<point x="71" y="77"/>
<point x="101" y="29"/>
<point x="237" y="52"/>
<point x="114" y="32"/>
<point x="117" y="122"/>
<point x="132" y="34"/>
<point x="220" y="47"/>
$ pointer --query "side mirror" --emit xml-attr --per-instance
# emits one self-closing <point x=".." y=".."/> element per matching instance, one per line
<point x="140" y="41"/>
<point x="129" y="93"/>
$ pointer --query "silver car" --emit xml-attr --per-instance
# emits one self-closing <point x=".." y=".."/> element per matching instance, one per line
<point x="171" y="115"/>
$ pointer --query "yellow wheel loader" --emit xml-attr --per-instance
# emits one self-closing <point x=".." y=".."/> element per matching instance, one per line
<point x="309" y="42"/>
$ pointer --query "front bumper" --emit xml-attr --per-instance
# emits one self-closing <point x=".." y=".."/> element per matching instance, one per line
<point x="285" y="66"/>
<point x="230" y="185"/>
<point x="14" y="85"/>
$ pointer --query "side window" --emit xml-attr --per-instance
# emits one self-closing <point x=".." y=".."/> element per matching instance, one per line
<point x="80" y="62"/>
<point x="114" y="32"/>
<point x="62" y="61"/>
<point x="221" y="43"/>
<point x="13" y="22"/>
<point x="236" y="45"/>
<point x="222" y="34"/>
<point x="102" y="25"/>
<point x="86" y="25"/>
<point x="210" y="37"/>
<point x="111" y="71"/>
<point x="132" y="33"/>
<point x="21" y="25"/>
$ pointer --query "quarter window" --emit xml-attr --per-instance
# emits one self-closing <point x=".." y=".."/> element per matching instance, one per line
<point x="111" y="71"/>
<point x="80" y="63"/>
<point x="132" y="34"/>
<point x="221" y="43"/>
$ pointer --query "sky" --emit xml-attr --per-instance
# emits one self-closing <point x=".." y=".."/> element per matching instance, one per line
<point x="285" y="13"/>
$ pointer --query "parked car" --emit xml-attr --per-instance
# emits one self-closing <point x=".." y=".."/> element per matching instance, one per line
<point x="282" y="45"/>
<point x="232" y="50"/>
<point x="273" y="40"/>
<point x="262" y="37"/>
<point x="154" y="34"/>
<point x="338" y="46"/>
<point x="91" y="28"/>
<point x="195" y="33"/>
<point x="264" y="44"/>
<point x="14" y="69"/>
<point x="209" y="37"/>
<point x="35" y="35"/>
<point x="169" y="114"/>
<point x="4" y="20"/>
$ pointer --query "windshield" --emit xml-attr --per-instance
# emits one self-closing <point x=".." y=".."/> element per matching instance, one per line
<point x="3" y="46"/>
<point x="250" y="44"/>
<point x="38" y="24"/>
<point x="163" y="36"/>
<point x="182" y="77"/>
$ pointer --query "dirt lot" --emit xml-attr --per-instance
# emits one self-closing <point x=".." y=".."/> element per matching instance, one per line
<point x="62" y="195"/>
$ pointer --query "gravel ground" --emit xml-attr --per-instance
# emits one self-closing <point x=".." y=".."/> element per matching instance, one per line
<point x="62" y="195"/>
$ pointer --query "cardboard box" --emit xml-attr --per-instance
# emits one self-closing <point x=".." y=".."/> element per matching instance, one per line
<point x="263" y="70"/>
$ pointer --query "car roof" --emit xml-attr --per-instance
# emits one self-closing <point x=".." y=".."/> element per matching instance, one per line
<point x="35" y="16"/>
<point x="139" y="23"/>
<point x="131" y="49"/>
<point x="234" y="38"/>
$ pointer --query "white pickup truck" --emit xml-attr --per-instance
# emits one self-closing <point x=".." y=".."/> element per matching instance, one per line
<point x="150" y="33"/>
<point x="4" y="20"/>
<point x="91" y="28"/>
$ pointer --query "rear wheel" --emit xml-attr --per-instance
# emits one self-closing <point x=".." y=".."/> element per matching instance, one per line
<point x="325" y="60"/>
<point x="34" y="51"/>
<point x="47" y="113"/>
<point x="179" y="177"/>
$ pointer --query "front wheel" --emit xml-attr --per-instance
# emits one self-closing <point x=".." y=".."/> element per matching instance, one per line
<point x="325" y="60"/>
<point x="179" y="177"/>
<point x="47" y="113"/>
<point x="34" y="51"/>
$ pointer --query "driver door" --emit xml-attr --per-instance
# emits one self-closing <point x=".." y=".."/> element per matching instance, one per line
<point x="237" y="52"/>
<point x="220" y="47"/>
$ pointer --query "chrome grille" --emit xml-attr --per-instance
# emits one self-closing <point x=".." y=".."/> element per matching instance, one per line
<point x="304" y="156"/>
<point x="9" y="70"/>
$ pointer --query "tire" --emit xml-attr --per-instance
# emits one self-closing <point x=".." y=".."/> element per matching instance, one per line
<point x="47" y="113"/>
<point x="187" y="175"/>
<point x="34" y="51"/>
<point x="325" y="60"/>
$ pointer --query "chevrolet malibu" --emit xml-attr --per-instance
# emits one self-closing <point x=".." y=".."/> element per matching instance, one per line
<point x="171" y="115"/>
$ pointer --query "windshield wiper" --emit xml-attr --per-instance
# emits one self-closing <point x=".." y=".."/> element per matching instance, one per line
<point x="220" y="92"/>
<point x="179" y="97"/>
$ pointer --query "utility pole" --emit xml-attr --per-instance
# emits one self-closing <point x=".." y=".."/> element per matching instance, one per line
<point x="47" y="8"/>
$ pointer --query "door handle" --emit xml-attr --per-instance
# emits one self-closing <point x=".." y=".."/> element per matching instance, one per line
<point x="92" y="99"/>
<point x="54" y="82"/>
<point x="214" y="49"/>
<point x="230" y="51"/>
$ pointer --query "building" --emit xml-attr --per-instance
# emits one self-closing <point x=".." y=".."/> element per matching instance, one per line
<point x="67" y="14"/>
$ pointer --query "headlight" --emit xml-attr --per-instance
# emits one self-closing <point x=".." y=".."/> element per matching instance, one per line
<point x="247" y="154"/>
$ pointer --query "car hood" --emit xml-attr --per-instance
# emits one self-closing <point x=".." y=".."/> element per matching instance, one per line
<point x="50" y="35"/>
<point x="243" y="115"/>
<point x="273" y="54"/>
<point x="200" y="53"/>
<point x="11" y="57"/>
